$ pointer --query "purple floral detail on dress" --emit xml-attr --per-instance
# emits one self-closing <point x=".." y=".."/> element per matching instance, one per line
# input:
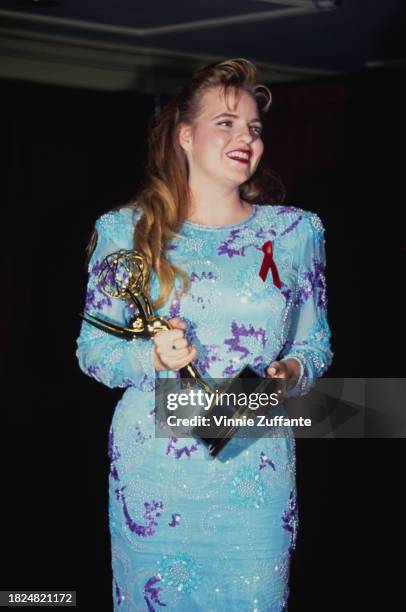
<point x="231" y="369"/>
<point x="286" y="292"/>
<point x="113" y="454"/>
<point x="203" y="276"/>
<point x="151" y="592"/>
<point x="287" y="209"/>
<point x="201" y="300"/>
<point x="110" y="277"/>
<point x="241" y="331"/>
<point x="95" y="297"/>
<point x="226" y="247"/>
<point x="175" y="520"/>
<point x="126" y="382"/>
<point x="130" y="311"/>
<point x="174" y="309"/>
<point x="238" y="243"/>
<point x="290" y="519"/>
<point x="178" y="452"/>
<point x="140" y="437"/>
<point x="315" y="282"/>
<point x="262" y="234"/>
<point x="96" y="267"/>
<point x="146" y="384"/>
<point x="119" y="597"/>
<point x="265" y="461"/>
<point x="191" y="330"/>
<point x="151" y="512"/>
<point x="240" y="240"/>
<point x="258" y="364"/>
<point x="291" y="226"/>
<point x="211" y="356"/>
<point x="94" y="372"/>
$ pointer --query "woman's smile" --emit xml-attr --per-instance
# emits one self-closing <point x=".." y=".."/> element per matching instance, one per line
<point x="241" y="160"/>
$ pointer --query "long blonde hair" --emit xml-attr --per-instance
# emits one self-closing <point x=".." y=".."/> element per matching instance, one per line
<point x="164" y="198"/>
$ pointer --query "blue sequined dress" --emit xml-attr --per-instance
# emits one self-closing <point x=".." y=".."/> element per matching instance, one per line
<point x="189" y="533"/>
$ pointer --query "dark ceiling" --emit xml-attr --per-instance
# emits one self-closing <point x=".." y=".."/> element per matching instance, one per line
<point x="149" y="45"/>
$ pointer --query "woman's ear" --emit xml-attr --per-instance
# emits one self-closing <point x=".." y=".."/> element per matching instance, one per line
<point x="185" y="136"/>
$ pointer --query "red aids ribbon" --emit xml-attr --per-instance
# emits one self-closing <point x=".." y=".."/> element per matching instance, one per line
<point x="267" y="263"/>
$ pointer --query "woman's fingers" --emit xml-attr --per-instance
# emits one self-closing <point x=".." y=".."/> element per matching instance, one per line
<point x="165" y="341"/>
<point x="178" y="354"/>
<point x="180" y="343"/>
<point x="179" y="361"/>
<point x="276" y="370"/>
<point x="191" y="356"/>
<point x="167" y="337"/>
<point x="182" y="355"/>
<point x="177" y="322"/>
<point x="171" y="347"/>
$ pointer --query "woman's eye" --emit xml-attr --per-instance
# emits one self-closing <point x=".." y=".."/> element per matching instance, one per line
<point x="257" y="129"/>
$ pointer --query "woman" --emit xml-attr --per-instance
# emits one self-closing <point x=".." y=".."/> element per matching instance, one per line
<point x="188" y="532"/>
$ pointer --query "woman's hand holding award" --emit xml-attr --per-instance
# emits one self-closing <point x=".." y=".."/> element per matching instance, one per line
<point x="122" y="275"/>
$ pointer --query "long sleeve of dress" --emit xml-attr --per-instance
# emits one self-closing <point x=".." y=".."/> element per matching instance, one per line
<point x="309" y="333"/>
<point x="113" y="361"/>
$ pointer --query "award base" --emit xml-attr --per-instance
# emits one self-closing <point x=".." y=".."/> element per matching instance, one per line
<point x="246" y="382"/>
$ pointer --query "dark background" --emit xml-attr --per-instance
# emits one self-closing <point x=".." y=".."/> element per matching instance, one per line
<point x="67" y="156"/>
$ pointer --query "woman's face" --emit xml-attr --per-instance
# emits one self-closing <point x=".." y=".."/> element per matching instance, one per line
<point x="213" y="139"/>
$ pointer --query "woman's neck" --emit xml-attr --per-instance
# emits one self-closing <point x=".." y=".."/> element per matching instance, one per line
<point x="221" y="215"/>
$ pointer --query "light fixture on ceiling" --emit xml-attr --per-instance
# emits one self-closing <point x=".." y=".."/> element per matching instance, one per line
<point x="327" y="4"/>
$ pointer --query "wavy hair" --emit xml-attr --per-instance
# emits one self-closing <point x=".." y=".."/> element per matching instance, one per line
<point x="164" y="198"/>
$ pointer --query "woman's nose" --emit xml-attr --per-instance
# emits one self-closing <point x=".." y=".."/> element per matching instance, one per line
<point x="245" y="136"/>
